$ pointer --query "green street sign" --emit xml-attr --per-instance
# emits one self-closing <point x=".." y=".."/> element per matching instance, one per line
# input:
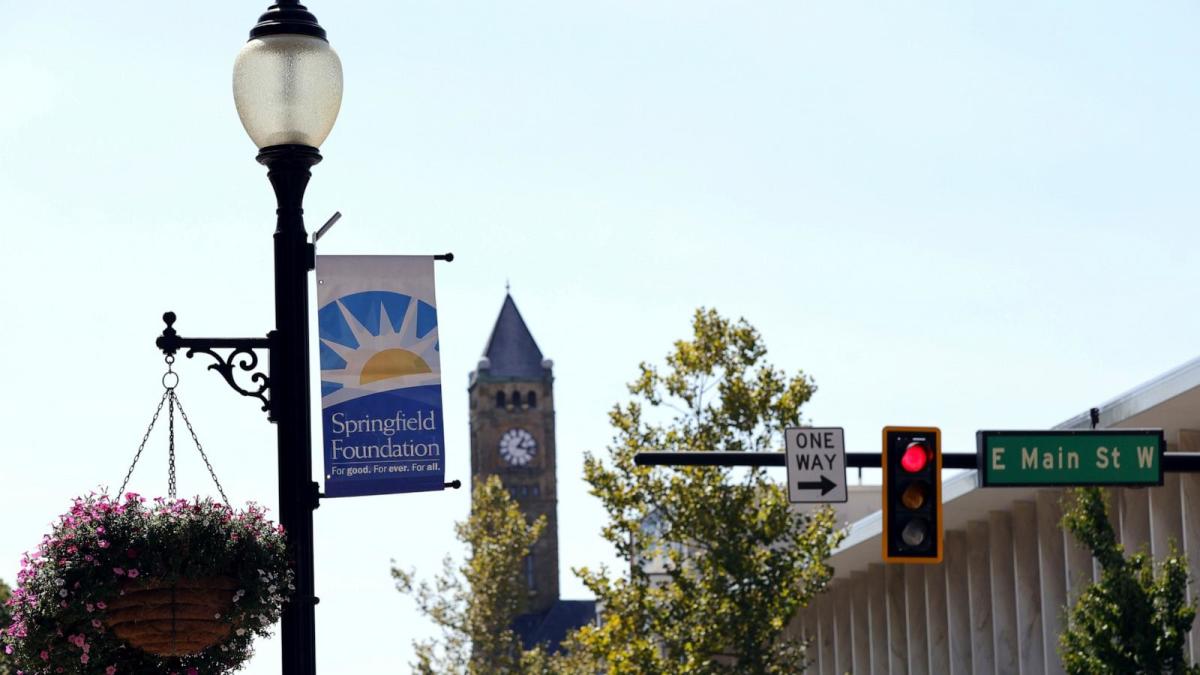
<point x="1063" y="458"/>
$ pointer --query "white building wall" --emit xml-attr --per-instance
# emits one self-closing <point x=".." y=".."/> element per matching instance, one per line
<point x="997" y="603"/>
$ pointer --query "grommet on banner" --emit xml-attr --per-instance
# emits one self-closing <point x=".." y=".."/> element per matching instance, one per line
<point x="446" y="257"/>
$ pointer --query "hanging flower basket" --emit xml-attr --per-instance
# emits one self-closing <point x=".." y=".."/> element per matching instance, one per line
<point x="173" y="586"/>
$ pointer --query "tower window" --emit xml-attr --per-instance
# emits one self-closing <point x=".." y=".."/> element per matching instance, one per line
<point x="531" y="399"/>
<point x="516" y="401"/>
<point x="530" y="580"/>
<point x="499" y="399"/>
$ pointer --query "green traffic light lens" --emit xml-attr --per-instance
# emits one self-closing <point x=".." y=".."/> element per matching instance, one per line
<point x="915" y="533"/>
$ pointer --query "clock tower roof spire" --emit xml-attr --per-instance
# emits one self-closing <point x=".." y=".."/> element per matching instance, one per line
<point x="511" y="351"/>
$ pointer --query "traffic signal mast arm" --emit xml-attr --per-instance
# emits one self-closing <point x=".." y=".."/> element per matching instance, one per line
<point x="1182" y="462"/>
<point x="858" y="460"/>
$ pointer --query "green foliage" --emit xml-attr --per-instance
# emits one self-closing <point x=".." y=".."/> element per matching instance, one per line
<point x="736" y="561"/>
<point x="7" y="667"/>
<point x="475" y="604"/>
<point x="1134" y="620"/>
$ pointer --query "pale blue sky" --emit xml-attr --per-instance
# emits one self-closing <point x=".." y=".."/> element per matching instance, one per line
<point x="967" y="214"/>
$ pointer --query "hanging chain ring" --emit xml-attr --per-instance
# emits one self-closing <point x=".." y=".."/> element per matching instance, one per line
<point x="170" y="379"/>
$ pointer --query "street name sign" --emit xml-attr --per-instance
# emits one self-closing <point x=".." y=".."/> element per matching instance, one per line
<point x="816" y="464"/>
<point x="1130" y="457"/>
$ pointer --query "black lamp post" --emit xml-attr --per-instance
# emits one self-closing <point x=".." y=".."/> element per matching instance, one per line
<point x="287" y="84"/>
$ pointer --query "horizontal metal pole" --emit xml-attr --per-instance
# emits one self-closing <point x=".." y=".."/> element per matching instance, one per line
<point x="1172" y="461"/>
<point x="1182" y="462"/>
<point x="708" y="459"/>
<point x="226" y="343"/>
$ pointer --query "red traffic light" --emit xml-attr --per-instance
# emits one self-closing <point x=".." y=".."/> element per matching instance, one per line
<point x="915" y="457"/>
<point x="912" y="497"/>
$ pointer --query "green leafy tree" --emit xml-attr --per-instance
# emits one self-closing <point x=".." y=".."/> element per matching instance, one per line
<point x="735" y="562"/>
<point x="1136" y="618"/>
<point x="474" y="605"/>
<point x="7" y="667"/>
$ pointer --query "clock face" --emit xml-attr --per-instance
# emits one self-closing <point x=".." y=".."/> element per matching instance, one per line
<point x="517" y="447"/>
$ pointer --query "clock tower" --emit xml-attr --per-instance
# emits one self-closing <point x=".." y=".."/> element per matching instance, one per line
<point x="512" y="435"/>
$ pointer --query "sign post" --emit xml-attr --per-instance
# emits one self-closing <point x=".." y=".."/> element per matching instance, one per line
<point x="816" y="464"/>
<point x="1129" y="457"/>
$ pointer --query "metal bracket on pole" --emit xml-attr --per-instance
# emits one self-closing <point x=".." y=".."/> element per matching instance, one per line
<point x="241" y="356"/>
<point x="316" y="236"/>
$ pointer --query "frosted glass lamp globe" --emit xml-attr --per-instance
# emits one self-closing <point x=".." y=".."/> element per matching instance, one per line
<point x="288" y="89"/>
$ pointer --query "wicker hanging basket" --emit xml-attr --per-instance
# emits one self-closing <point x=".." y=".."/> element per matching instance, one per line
<point x="179" y="619"/>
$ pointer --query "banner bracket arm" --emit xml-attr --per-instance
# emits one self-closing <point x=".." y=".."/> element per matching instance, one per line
<point x="320" y="232"/>
<point x="242" y="356"/>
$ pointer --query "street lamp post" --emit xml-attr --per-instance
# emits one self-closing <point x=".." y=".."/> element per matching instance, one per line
<point x="287" y="85"/>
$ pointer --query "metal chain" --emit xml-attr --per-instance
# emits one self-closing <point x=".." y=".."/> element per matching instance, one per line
<point x="200" y="448"/>
<point x="171" y="400"/>
<point x="171" y="444"/>
<point x="145" y="437"/>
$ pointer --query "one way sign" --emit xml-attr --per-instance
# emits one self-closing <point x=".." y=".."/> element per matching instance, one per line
<point x="816" y="464"/>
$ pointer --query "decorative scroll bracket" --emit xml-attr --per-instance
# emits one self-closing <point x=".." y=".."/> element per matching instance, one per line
<point x="242" y="356"/>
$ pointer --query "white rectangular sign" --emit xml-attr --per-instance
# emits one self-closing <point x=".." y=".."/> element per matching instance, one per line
<point x="816" y="464"/>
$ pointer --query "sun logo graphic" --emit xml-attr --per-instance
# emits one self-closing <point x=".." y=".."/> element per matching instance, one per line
<point x="376" y="341"/>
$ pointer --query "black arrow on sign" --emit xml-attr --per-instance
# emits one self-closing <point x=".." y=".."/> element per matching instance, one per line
<point x="824" y="485"/>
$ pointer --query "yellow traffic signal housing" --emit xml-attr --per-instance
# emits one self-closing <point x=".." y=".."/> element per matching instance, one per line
<point x="912" y="494"/>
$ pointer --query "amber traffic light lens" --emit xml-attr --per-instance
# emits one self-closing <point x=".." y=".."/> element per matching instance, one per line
<point x="914" y="496"/>
<point x="915" y="457"/>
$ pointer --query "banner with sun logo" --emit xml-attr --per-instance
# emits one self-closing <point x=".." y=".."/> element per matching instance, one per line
<point x="381" y="375"/>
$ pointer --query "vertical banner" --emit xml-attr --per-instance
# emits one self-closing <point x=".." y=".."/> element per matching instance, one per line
<point x="381" y="376"/>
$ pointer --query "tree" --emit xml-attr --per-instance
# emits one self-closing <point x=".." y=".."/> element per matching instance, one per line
<point x="1136" y="618"/>
<point x="739" y="562"/>
<point x="7" y="667"/>
<point x="475" y="604"/>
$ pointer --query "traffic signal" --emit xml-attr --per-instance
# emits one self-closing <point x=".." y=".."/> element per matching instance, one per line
<point x="912" y="494"/>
